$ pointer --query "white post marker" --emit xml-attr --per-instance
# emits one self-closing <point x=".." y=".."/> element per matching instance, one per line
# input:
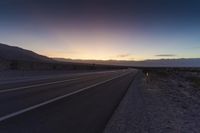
<point x="147" y="74"/>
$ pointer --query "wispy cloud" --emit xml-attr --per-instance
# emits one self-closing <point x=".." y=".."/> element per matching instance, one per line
<point x="123" y="55"/>
<point x="131" y="58"/>
<point x="196" y="48"/>
<point x="166" y="55"/>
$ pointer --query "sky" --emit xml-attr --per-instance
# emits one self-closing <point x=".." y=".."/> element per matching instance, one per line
<point x="103" y="29"/>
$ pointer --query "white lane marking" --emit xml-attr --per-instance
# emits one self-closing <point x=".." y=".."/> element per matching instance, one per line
<point x="44" y="84"/>
<point x="56" y="99"/>
<point x="37" y="85"/>
<point x="54" y="76"/>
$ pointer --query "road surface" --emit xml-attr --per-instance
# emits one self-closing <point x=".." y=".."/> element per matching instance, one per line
<point x="76" y="103"/>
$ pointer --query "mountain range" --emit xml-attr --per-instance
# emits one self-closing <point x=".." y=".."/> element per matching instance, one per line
<point x="16" y="53"/>
<point x="183" y="62"/>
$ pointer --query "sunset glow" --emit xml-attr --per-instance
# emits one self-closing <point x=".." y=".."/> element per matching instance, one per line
<point x="97" y="33"/>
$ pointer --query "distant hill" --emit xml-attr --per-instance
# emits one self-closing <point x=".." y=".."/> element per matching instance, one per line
<point x="15" y="53"/>
<point x="15" y="58"/>
<point x="190" y="62"/>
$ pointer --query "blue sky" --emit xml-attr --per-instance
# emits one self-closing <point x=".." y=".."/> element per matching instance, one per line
<point x="123" y="30"/>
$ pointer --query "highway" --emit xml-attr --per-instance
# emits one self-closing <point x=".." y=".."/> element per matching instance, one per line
<point x="75" y="103"/>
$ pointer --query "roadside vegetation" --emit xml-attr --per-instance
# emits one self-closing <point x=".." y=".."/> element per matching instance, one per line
<point x="195" y="80"/>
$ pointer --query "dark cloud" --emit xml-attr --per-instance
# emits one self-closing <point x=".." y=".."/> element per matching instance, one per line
<point x="196" y="48"/>
<point x="166" y="55"/>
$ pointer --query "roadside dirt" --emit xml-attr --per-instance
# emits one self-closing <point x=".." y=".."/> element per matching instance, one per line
<point x="172" y="102"/>
<point x="159" y="102"/>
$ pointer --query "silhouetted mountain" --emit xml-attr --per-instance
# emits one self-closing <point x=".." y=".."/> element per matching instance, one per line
<point x="15" y="58"/>
<point x="15" y="53"/>
<point x="193" y="62"/>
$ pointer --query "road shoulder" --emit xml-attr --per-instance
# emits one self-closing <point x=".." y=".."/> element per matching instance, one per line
<point x="130" y="115"/>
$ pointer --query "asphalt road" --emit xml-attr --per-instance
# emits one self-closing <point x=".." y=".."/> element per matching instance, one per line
<point x="79" y="103"/>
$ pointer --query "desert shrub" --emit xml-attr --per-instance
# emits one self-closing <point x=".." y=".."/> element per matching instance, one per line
<point x="194" y="80"/>
<point x="14" y="65"/>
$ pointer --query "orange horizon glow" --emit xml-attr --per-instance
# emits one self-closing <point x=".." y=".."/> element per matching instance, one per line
<point x="103" y="44"/>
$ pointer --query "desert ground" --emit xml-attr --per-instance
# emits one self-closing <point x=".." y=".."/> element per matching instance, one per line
<point x="160" y="102"/>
